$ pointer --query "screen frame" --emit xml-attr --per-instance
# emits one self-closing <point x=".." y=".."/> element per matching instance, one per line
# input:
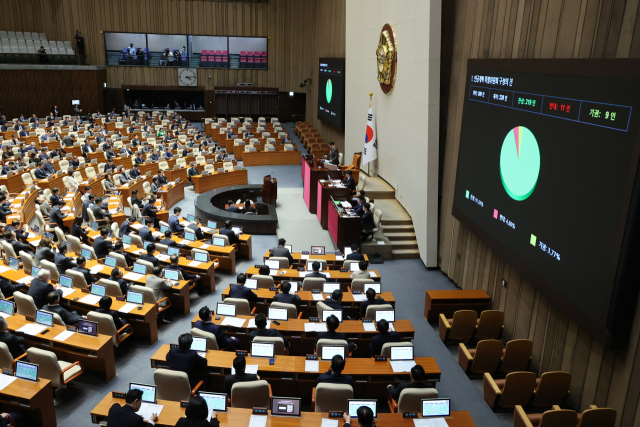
<point x="200" y="393"/>
<point x="375" y="415"/>
<point x="235" y="314"/>
<point x="273" y="347"/>
<point x="137" y="293"/>
<point x="13" y="305"/>
<point x="344" y="73"/>
<point x="286" y="313"/>
<point x="299" y="414"/>
<point x="621" y="296"/>
<point x="84" y="333"/>
<point x="155" y="395"/>
<point x="27" y="363"/>
<point x="429" y="400"/>
<point x="48" y="313"/>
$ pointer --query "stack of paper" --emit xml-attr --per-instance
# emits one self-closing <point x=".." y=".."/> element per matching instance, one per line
<point x="402" y="365"/>
<point x="372" y="274"/>
<point x="34" y="243"/>
<point x="194" y="263"/>
<point x="315" y="327"/>
<point x="157" y="234"/>
<point x="258" y="421"/>
<point x="90" y="299"/>
<point x="250" y="369"/>
<point x="252" y="323"/>
<point x="318" y="297"/>
<point x="5" y="380"/>
<point x="312" y="366"/>
<point x="302" y="274"/>
<point x="430" y="422"/>
<point x="233" y="321"/>
<point x="26" y="280"/>
<point x="304" y="256"/>
<point x="339" y="258"/>
<point x="273" y="272"/>
<point x="326" y="422"/>
<point x="67" y="291"/>
<point x="127" y="308"/>
<point x="204" y="246"/>
<point x="136" y="226"/>
<point x="32" y="328"/>
<point x="162" y="257"/>
<point x="184" y="242"/>
<point x="63" y="335"/>
<point x="4" y="268"/>
<point x="96" y="269"/>
<point x="206" y="229"/>
<point x="359" y="297"/>
<point x="139" y="251"/>
<point x="369" y="327"/>
<point x="133" y="276"/>
<point x="148" y="409"/>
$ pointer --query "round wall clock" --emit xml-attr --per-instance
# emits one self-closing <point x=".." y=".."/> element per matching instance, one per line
<point x="387" y="58"/>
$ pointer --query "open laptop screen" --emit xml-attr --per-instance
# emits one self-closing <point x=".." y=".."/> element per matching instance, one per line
<point x="215" y="401"/>
<point x="226" y="309"/>
<point x="327" y="313"/>
<point x="44" y="318"/>
<point x="402" y="353"/>
<point x="285" y="406"/>
<point x="148" y="391"/>
<point x="262" y="349"/>
<point x="388" y="315"/>
<point x="436" y="408"/>
<point x="88" y="327"/>
<point x="27" y="371"/>
<point x="354" y="404"/>
<point x="329" y="351"/>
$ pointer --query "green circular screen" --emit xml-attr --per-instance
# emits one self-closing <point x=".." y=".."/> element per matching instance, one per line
<point x="329" y="90"/>
<point x="519" y="163"/>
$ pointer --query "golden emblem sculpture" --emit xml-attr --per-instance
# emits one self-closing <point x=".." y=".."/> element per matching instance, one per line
<point x="387" y="57"/>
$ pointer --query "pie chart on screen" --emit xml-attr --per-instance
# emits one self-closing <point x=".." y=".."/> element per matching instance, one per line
<point x="519" y="163"/>
<point x="329" y="91"/>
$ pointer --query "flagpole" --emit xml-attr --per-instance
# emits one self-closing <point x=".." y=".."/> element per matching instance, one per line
<point x="369" y="163"/>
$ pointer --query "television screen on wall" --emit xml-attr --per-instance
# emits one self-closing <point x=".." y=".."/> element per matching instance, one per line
<point x="331" y="91"/>
<point x="547" y="177"/>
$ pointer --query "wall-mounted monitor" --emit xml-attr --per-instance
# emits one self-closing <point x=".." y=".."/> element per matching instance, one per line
<point x="331" y="91"/>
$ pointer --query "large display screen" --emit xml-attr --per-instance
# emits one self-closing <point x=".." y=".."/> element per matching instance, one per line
<point x="546" y="172"/>
<point x="331" y="91"/>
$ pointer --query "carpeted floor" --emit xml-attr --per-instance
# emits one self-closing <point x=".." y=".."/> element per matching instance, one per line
<point x="407" y="279"/>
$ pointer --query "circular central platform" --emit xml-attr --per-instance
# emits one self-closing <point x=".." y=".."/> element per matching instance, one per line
<point x="210" y="206"/>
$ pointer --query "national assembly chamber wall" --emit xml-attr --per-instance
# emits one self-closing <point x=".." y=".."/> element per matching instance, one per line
<point x="536" y="29"/>
<point x="299" y="33"/>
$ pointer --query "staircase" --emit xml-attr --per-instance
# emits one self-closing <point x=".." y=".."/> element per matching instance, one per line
<point x="403" y="238"/>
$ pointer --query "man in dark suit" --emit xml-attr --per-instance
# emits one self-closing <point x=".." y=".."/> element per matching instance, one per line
<point x="48" y="167"/>
<point x="174" y="221"/>
<point x="15" y="343"/>
<point x="227" y="231"/>
<point x="315" y="266"/>
<point x="358" y="209"/>
<point x="135" y="172"/>
<point x="240" y="291"/>
<point x="87" y="148"/>
<point x="417" y="377"/>
<point x="110" y="165"/>
<point x="334" y="156"/>
<point x="117" y="276"/>
<point x="62" y="262"/>
<point x="82" y="262"/>
<point x="149" y="211"/>
<point x="188" y="361"/>
<point x="8" y="288"/>
<point x="195" y="226"/>
<point x="332" y="324"/>
<point x="239" y="365"/>
<point x="192" y="171"/>
<point x="187" y="276"/>
<point x="262" y="331"/>
<point x="205" y="324"/>
<point x="151" y="248"/>
<point x="139" y="159"/>
<point x="349" y="182"/>
<point x="98" y="211"/>
<point x="57" y="216"/>
<point x="355" y="254"/>
<point x="53" y="305"/>
<point x="371" y="300"/>
<point x="384" y="336"/>
<point x="105" y="308"/>
<point x="101" y="245"/>
<point x="231" y="208"/>
<point x="40" y="288"/>
<point x="68" y="141"/>
<point x="40" y="173"/>
<point x="10" y="237"/>
<point x="334" y="374"/>
<point x="55" y="197"/>
<point x="135" y="200"/>
<point x="281" y="251"/>
<point x="365" y="417"/>
<point x="285" y="297"/>
<point x="125" y="416"/>
<point x="167" y="239"/>
<point x="335" y="302"/>
<point x="367" y="222"/>
<point x="125" y="228"/>
<point x="146" y="235"/>
<point x="118" y="248"/>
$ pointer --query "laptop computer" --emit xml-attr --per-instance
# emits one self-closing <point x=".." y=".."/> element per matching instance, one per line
<point x="27" y="371"/>
<point x="66" y="281"/>
<point x="278" y="314"/>
<point x="94" y="226"/>
<point x="263" y="349"/>
<point x="237" y="230"/>
<point x="201" y="257"/>
<point x="317" y="250"/>
<point x="354" y="404"/>
<point x="145" y="244"/>
<point x="99" y="290"/>
<point x="329" y="351"/>
<point x="14" y="263"/>
<point x="126" y="240"/>
<point x="388" y="315"/>
<point x="436" y="408"/>
<point x="172" y="275"/>
<point x="140" y="268"/>
<point x="212" y="224"/>
<point x="135" y="297"/>
<point x="328" y="288"/>
<point x="163" y="228"/>
<point x="285" y="406"/>
<point x="44" y="318"/>
<point x="218" y="241"/>
<point x="6" y="308"/>
<point x="110" y="261"/>
<point x="87" y="327"/>
<point x="86" y="253"/>
<point x="173" y="251"/>
<point x="327" y="313"/>
<point x="402" y="353"/>
<point x="251" y="283"/>
<point x="191" y="218"/>
<point x="215" y="402"/>
<point x="148" y="391"/>
<point x="190" y="237"/>
<point x="375" y="286"/>
<point x="223" y="309"/>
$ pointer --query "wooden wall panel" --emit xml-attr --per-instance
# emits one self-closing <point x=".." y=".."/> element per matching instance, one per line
<point x="537" y="29"/>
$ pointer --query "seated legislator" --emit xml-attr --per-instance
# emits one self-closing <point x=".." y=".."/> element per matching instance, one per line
<point x="333" y="156"/>
<point x="195" y="226"/>
<point x="8" y="288"/>
<point x="81" y="268"/>
<point x="362" y="273"/>
<point x="125" y="416"/>
<point x="240" y="291"/>
<point x="332" y="324"/>
<point x="371" y="300"/>
<point x="196" y="414"/>
<point x="416" y="381"/>
<point x="248" y="208"/>
<point x="365" y="417"/>
<point x="262" y="331"/>
<point x="239" y="365"/>
<point x="205" y="324"/>
<point x="40" y="173"/>
<point x="335" y="302"/>
<point x="349" y="182"/>
<point x="174" y="221"/>
<point x="281" y="251"/>
<point x="118" y="276"/>
<point x="53" y="305"/>
<point x="15" y="343"/>
<point x="62" y="261"/>
<point x="384" y="336"/>
<point x="40" y="288"/>
<point x="192" y="278"/>
<point x="101" y="245"/>
<point x="355" y="254"/>
<point x="151" y="248"/>
<point x="227" y="231"/>
<point x="188" y="361"/>
<point x="105" y="308"/>
<point x="118" y="248"/>
<point x="285" y="297"/>
<point x="146" y="235"/>
<point x="315" y="266"/>
<point x="358" y="208"/>
<point x="334" y="374"/>
<point x="167" y="241"/>
<point x="232" y="208"/>
<point x="151" y="212"/>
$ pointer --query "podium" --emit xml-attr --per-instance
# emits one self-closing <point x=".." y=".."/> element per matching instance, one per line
<point x="269" y="190"/>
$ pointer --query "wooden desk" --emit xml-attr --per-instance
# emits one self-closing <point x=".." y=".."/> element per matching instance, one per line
<point x="125" y="190"/>
<point x="95" y="353"/>
<point x="173" y="174"/>
<point x="14" y="182"/>
<point x="448" y="302"/>
<point x="308" y="305"/>
<point x="334" y="275"/>
<point x="173" y="195"/>
<point x="264" y="158"/>
<point x="345" y="230"/>
<point x="217" y="180"/>
<point x="324" y="192"/>
<point x="172" y="412"/>
<point x="52" y="182"/>
<point x="154" y="167"/>
<point x="288" y="377"/>
<point x="310" y="176"/>
<point x="302" y="343"/>
<point x="34" y="398"/>
<point x="332" y="262"/>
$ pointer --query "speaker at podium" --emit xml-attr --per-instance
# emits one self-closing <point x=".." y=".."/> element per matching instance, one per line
<point x="269" y="190"/>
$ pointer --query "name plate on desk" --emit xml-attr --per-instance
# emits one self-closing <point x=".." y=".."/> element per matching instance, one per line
<point x="120" y="298"/>
<point x="242" y="353"/>
<point x="314" y="320"/>
<point x="366" y="320"/>
<point x="258" y="266"/>
<point x="381" y="358"/>
<point x="305" y="252"/>
<point x="86" y="291"/>
<point x="72" y="328"/>
<point x="30" y="319"/>
<point x="300" y="268"/>
<point x="357" y="293"/>
<point x="315" y="291"/>
<point x="409" y="415"/>
<point x="184" y="403"/>
<point x="7" y="372"/>
<point x="312" y="357"/>
<point x="118" y="395"/>
<point x="335" y="414"/>
<point x="343" y="270"/>
<point x="275" y="289"/>
<point x="174" y="345"/>
<point x="260" y="411"/>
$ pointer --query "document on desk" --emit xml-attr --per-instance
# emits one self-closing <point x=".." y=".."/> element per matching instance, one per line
<point x="302" y="274"/>
<point x="312" y="366"/>
<point x="339" y="258"/>
<point x="157" y="234"/>
<point x="252" y="323"/>
<point x="273" y="272"/>
<point x="326" y="422"/>
<point x="315" y="327"/>
<point x="148" y="409"/>
<point x="194" y="264"/>
<point x="162" y="257"/>
<point x="127" y="308"/>
<point x="204" y="246"/>
<point x="67" y="291"/>
<point x="304" y="256"/>
<point x="359" y="297"/>
<point x="372" y="274"/>
<point x="96" y="269"/>
<point x="26" y="280"/>
<point x="206" y="229"/>
<point x="139" y="251"/>
<point x="32" y="328"/>
<point x="184" y="242"/>
<point x="63" y="335"/>
<point x="5" y="380"/>
<point x="233" y="321"/>
<point x="4" y="268"/>
<point x="318" y="297"/>
<point x="31" y="236"/>
<point x="438" y="422"/>
<point x="133" y="276"/>
<point x="250" y="369"/>
<point x="402" y="365"/>
<point x="258" y="421"/>
<point x="369" y="327"/>
<point x="90" y="299"/>
<point x="327" y="275"/>
<point x="421" y="422"/>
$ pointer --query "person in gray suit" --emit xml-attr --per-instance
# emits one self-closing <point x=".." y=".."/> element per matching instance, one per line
<point x="281" y="251"/>
<point x="158" y="284"/>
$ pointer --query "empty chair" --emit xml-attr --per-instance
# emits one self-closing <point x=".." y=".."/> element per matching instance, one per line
<point x="490" y="325"/>
<point x="113" y="288"/>
<point x="517" y="356"/>
<point x="60" y="373"/>
<point x="67" y="45"/>
<point x="251" y="394"/>
<point x="242" y="306"/>
<point x="289" y="147"/>
<point x="150" y="298"/>
<point x="552" y="388"/>
<point x="27" y="262"/>
<point x="485" y="358"/>
<point x="173" y="385"/>
<point x="8" y="251"/>
<point x="54" y="51"/>
<point x="326" y="397"/>
<point x="264" y="282"/>
<point x="55" y="276"/>
<point x="279" y="348"/>
<point x="25" y="305"/>
<point x="410" y="399"/>
<point x="76" y="244"/>
<point x="60" y="45"/>
<point x="460" y="328"/>
<point x="553" y="418"/>
<point x="516" y="389"/>
<point x="284" y="261"/>
<point x="6" y="359"/>
<point x="78" y="279"/>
